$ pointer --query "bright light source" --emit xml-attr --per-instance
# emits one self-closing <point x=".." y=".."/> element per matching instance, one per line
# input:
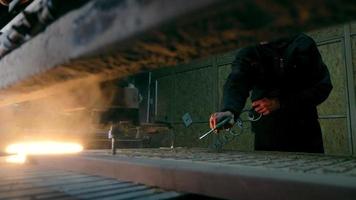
<point x="44" y="148"/>
<point x="18" y="159"/>
<point x="40" y="148"/>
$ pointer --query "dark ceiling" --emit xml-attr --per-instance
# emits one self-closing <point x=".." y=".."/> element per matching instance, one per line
<point x="225" y="26"/>
<point x="217" y="29"/>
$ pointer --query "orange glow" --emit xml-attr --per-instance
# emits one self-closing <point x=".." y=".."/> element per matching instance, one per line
<point x="40" y="148"/>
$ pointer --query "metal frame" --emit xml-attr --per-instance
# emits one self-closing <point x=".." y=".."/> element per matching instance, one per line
<point x="154" y="85"/>
<point x="211" y="175"/>
<point x="156" y="97"/>
<point x="333" y="117"/>
<point x="330" y="41"/>
<point x="350" y="87"/>
<point x="30" y="182"/>
<point x="149" y="97"/>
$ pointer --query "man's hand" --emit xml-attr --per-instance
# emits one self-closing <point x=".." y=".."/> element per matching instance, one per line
<point x="266" y="106"/>
<point x="215" y="118"/>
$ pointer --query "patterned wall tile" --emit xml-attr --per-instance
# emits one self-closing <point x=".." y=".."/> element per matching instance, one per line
<point x="195" y="94"/>
<point x="189" y="136"/>
<point x="335" y="136"/>
<point x="224" y="72"/>
<point x="164" y="98"/>
<point x="353" y="41"/>
<point x="353" y="27"/>
<point x="327" y="33"/>
<point x="336" y="104"/>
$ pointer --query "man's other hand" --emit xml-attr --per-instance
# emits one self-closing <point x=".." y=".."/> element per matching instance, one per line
<point x="265" y="106"/>
<point x="217" y="117"/>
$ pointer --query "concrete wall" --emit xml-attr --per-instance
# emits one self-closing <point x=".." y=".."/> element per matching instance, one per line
<point x="196" y="88"/>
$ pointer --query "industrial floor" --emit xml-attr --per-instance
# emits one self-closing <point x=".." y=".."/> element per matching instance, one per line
<point x="228" y="175"/>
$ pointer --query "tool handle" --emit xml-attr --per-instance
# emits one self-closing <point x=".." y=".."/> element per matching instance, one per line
<point x="219" y="125"/>
<point x="223" y="122"/>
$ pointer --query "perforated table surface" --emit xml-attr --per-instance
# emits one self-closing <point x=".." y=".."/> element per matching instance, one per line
<point x="230" y="174"/>
<point x="32" y="183"/>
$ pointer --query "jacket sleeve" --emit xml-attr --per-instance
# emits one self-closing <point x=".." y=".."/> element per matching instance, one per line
<point x="320" y="86"/>
<point x="238" y="84"/>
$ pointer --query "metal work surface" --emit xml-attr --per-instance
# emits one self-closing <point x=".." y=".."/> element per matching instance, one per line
<point x="17" y="182"/>
<point x="232" y="175"/>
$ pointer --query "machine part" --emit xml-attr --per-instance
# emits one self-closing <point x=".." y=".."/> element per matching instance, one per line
<point x="113" y="146"/>
<point x="110" y="132"/>
<point x="19" y="34"/>
<point x="33" y="20"/>
<point x="148" y="97"/>
<point x="173" y="137"/>
<point x="16" y="3"/>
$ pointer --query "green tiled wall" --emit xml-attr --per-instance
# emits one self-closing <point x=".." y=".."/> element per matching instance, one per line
<point x="335" y="138"/>
<point x="336" y="104"/>
<point x="195" y="93"/>
<point x="335" y="133"/>
<point x="327" y="33"/>
<point x="353" y="28"/>
<point x="189" y="137"/>
<point x="224" y="72"/>
<point x="164" y="98"/>
<point x="353" y="45"/>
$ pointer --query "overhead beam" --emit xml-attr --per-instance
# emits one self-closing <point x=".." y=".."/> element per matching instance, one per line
<point x="92" y="30"/>
<point x="109" y="39"/>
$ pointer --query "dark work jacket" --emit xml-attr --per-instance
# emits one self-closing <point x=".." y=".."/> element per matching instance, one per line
<point x="292" y="71"/>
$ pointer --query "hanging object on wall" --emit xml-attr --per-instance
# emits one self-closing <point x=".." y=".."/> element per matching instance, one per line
<point x="187" y="119"/>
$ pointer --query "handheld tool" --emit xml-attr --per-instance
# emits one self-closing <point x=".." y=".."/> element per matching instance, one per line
<point x="218" y="126"/>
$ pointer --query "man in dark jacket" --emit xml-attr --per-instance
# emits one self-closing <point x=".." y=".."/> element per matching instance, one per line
<point x="288" y="80"/>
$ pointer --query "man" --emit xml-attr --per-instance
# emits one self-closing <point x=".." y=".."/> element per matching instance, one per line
<point x="288" y="79"/>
